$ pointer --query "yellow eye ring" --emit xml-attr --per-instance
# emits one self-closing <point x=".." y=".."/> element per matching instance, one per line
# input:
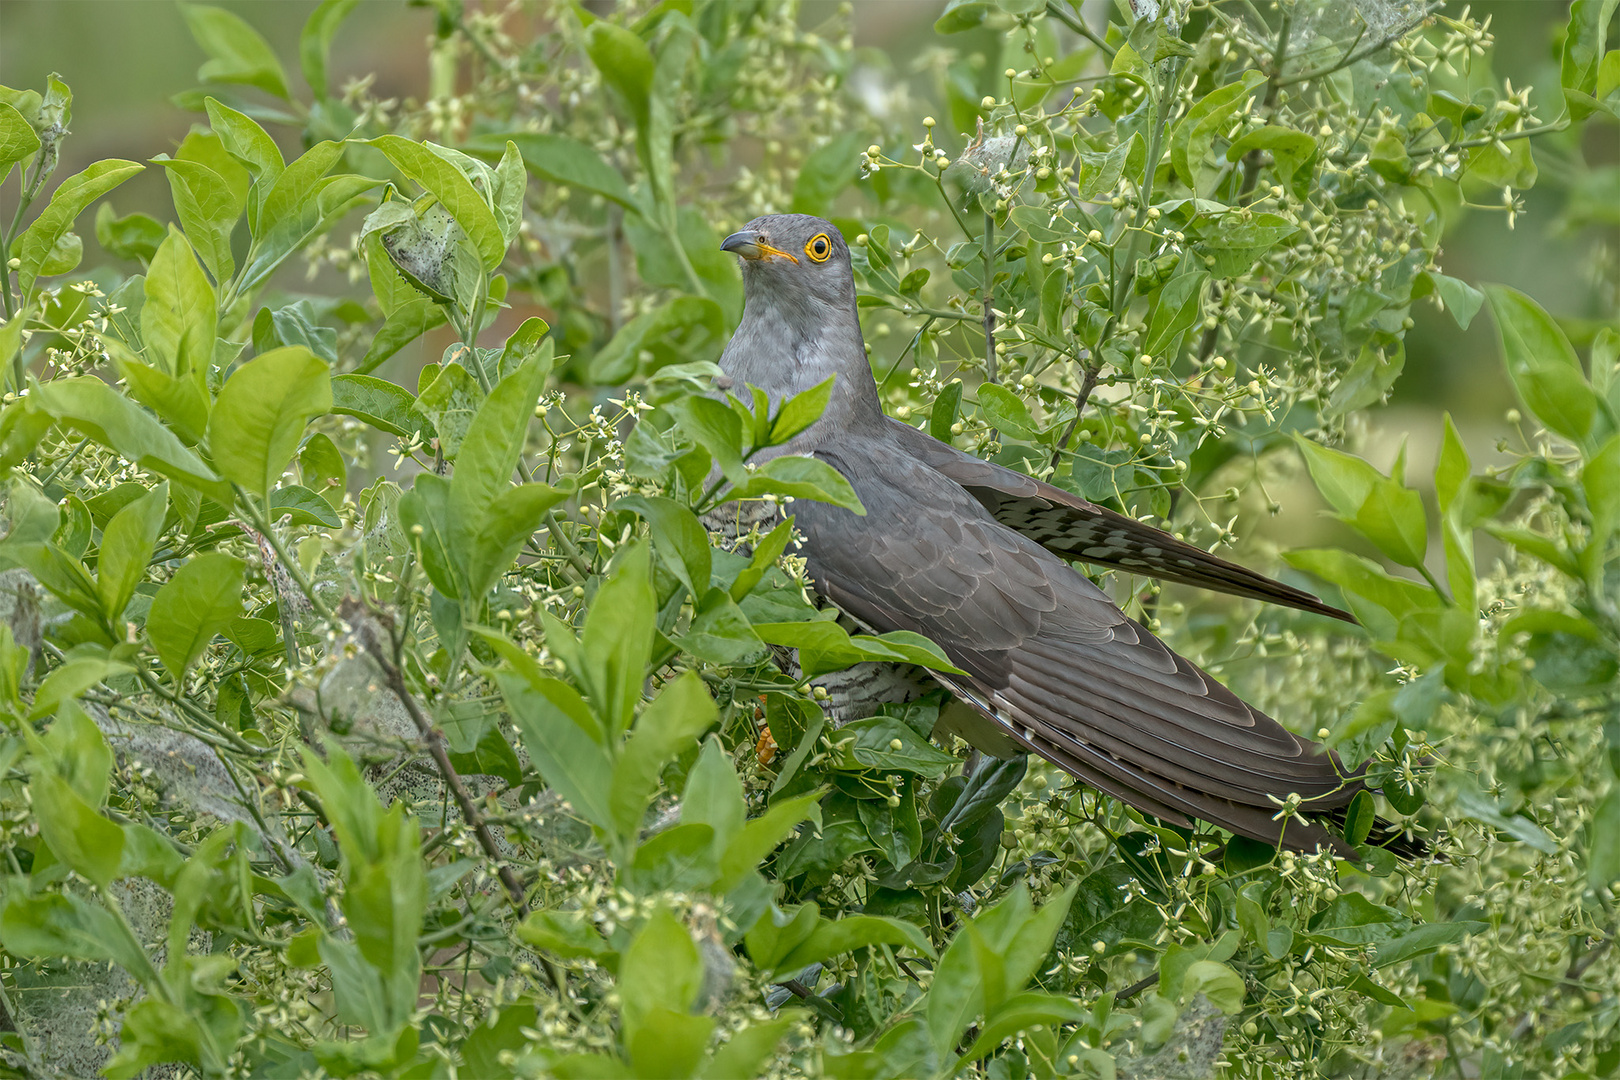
<point x="818" y="248"/>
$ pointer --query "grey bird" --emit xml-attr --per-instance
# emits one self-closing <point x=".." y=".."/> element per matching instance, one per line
<point x="972" y="556"/>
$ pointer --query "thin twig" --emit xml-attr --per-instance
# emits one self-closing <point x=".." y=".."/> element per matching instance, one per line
<point x="1136" y="988"/>
<point x="367" y="627"/>
<point x="1087" y="385"/>
<point x="989" y="245"/>
<point x="1078" y="25"/>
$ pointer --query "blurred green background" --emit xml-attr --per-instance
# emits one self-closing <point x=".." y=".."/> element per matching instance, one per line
<point x="126" y="59"/>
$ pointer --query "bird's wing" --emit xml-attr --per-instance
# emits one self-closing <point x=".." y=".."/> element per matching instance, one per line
<point x="1052" y="660"/>
<point x="1074" y="528"/>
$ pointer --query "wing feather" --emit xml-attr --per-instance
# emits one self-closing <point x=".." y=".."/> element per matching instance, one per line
<point x="1075" y="528"/>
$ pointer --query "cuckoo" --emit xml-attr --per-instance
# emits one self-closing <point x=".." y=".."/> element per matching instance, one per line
<point x="974" y="557"/>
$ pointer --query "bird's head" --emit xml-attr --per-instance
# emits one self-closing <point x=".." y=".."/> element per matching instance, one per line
<point x="794" y="259"/>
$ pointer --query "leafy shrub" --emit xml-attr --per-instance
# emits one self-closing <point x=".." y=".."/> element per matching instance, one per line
<point x="321" y="762"/>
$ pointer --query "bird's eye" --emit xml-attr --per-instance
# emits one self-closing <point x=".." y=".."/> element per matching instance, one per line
<point x="818" y="248"/>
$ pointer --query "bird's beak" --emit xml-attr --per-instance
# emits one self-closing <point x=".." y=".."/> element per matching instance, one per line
<point x="749" y="245"/>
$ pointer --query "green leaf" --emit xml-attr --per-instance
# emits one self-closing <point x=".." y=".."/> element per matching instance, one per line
<point x="1192" y="138"/>
<point x="178" y="317"/>
<point x="569" y="934"/>
<point x="1344" y="480"/>
<point x="678" y="859"/>
<point x="70" y="681"/>
<point x="679" y="538"/>
<point x="1544" y="368"/>
<point x="559" y="159"/>
<point x="961" y="15"/>
<point x="126" y="548"/>
<point x="95" y="409"/>
<point x="1359" y="818"/>
<point x="1002" y="409"/>
<point x="75" y="831"/>
<point x="835" y="938"/>
<point x="1459" y="297"/>
<point x="134" y="236"/>
<point x="302" y="203"/>
<point x="714" y="427"/>
<point x="1392" y="517"/>
<point x="1290" y="149"/>
<point x="380" y="403"/>
<point x="17" y="138"/>
<point x="237" y="53"/>
<point x="502" y="527"/>
<point x="1179" y="309"/>
<point x="1481" y="807"/>
<point x="181" y="402"/>
<point x="660" y="970"/>
<point x="1217" y="982"/>
<point x="489" y="451"/>
<point x="247" y="142"/>
<point x="320" y="464"/>
<point x="675" y="331"/>
<point x="402" y="326"/>
<point x="315" y="41"/>
<point x="874" y="748"/>
<point x="798" y="412"/>
<point x="208" y="208"/>
<point x="714" y="795"/>
<point x="944" y="414"/>
<point x="1585" y="39"/>
<point x="563" y="740"/>
<point x="617" y="641"/>
<point x="74" y="750"/>
<point x="747" y="1051"/>
<point x="302" y="506"/>
<point x="759" y="837"/>
<point x="1603" y="845"/>
<point x="667" y="1043"/>
<point x="626" y="64"/>
<point x="196" y="604"/>
<point x="1352" y="919"/>
<point x="779" y="932"/>
<point x="799" y="478"/>
<point x="1023" y="1012"/>
<point x="70" y="198"/>
<point x="674" y="720"/>
<point x="260" y="415"/>
<point x="1424" y="939"/>
<point x="1096" y="914"/>
<point x="425" y="512"/>
<point x="825" y="646"/>
<point x="49" y="925"/>
<point x="1361" y="984"/>
<point x="448" y="184"/>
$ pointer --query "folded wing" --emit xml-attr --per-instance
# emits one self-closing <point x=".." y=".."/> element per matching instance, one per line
<point x="1074" y="528"/>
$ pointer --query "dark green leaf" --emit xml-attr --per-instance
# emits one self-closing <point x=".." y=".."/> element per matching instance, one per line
<point x="381" y="404"/>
